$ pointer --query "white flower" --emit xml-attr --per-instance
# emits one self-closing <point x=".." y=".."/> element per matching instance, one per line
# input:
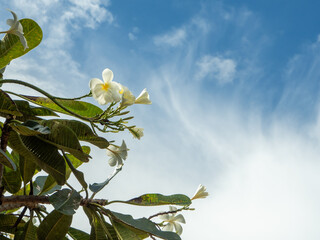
<point x="106" y="91"/>
<point x="200" y="193"/>
<point x="117" y="154"/>
<point x="143" y="98"/>
<point x="172" y="221"/>
<point x="16" y="29"/>
<point x="127" y="97"/>
<point x="136" y="132"/>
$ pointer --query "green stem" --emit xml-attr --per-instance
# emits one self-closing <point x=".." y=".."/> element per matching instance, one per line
<point x="52" y="98"/>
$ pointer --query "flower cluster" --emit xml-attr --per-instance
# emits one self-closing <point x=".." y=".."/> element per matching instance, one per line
<point x="16" y="29"/>
<point x="108" y="91"/>
<point x="172" y="221"/>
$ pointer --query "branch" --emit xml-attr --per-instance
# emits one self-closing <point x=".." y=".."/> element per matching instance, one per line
<point x="12" y="202"/>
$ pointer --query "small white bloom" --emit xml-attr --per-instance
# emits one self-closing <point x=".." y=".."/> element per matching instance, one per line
<point x="136" y="132"/>
<point x="127" y="97"/>
<point x="16" y="29"/>
<point x="143" y="98"/>
<point x="106" y="91"/>
<point x="200" y="193"/>
<point x="117" y="154"/>
<point x="172" y="221"/>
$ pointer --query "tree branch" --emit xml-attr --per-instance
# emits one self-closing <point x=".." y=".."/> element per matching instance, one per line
<point x="12" y="202"/>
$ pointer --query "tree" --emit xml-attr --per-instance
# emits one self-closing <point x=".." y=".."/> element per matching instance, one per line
<point x="39" y="151"/>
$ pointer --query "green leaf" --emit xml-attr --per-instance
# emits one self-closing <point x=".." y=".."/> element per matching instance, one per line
<point x="126" y="233"/>
<point x="97" y="230"/>
<point x="31" y="112"/>
<point x="54" y="226"/>
<point x="77" y="234"/>
<point x="30" y="128"/>
<point x="65" y="201"/>
<point x="6" y="160"/>
<point x="156" y="199"/>
<point x="64" y="138"/>
<point x="7" y="221"/>
<point x="11" y="47"/>
<point x="45" y="155"/>
<point x="142" y="224"/>
<point x="11" y="180"/>
<point x="29" y="232"/>
<point x="7" y="105"/>
<point x="27" y="168"/>
<point x="45" y="185"/>
<point x="78" y="174"/>
<point x="84" y="132"/>
<point x="79" y="107"/>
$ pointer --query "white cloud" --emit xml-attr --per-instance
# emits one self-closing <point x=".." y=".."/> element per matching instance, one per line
<point x="133" y="34"/>
<point x="172" y="39"/>
<point x="220" y="69"/>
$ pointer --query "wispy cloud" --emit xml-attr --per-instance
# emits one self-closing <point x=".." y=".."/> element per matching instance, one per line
<point x="133" y="34"/>
<point x="220" y="69"/>
<point x="174" y="38"/>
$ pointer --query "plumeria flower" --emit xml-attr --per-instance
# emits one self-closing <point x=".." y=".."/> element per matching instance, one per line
<point x="106" y="91"/>
<point x="117" y="154"/>
<point x="127" y="97"/>
<point x="136" y="132"/>
<point x="16" y="29"/>
<point x="143" y="98"/>
<point x="172" y="221"/>
<point x="200" y="193"/>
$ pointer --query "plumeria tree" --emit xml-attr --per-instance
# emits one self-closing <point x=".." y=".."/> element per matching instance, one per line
<point x="40" y="150"/>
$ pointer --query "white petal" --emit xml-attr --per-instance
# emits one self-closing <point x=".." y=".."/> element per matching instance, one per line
<point x="10" y="22"/>
<point x="94" y="81"/>
<point x="178" y="228"/>
<point x="143" y="98"/>
<point x="112" y="161"/>
<point x="164" y="217"/>
<point x="22" y="39"/>
<point x="123" y="150"/>
<point x="127" y="97"/>
<point x="168" y="227"/>
<point x="200" y="193"/>
<point x="15" y="17"/>
<point x="172" y="208"/>
<point x="107" y="75"/>
<point x="179" y="218"/>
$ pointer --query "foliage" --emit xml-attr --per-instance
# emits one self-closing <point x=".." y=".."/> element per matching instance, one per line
<point x="39" y="151"/>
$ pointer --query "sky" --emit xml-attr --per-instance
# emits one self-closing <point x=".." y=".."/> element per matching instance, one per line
<point x="235" y="92"/>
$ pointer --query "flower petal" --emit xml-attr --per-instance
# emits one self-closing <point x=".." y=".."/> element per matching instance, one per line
<point x="179" y="218"/>
<point x="143" y="98"/>
<point x="178" y="228"/>
<point x="164" y="217"/>
<point x="168" y="227"/>
<point x="172" y="208"/>
<point x="94" y="81"/>
<point x="10" y="22"/>
<point x="127" y="97"/>
<point x="107" y="75"/>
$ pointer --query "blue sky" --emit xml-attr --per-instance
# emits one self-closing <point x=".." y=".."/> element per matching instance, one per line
<point x="235" y="88"/>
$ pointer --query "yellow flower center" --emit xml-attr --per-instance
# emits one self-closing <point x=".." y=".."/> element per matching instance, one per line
<point x="121" y="91"/>
<point x="105" y="86"/>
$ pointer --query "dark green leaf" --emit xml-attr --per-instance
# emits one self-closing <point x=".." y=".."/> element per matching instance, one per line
<point x="77" y="234"/>
<point x="30" y="128"/>
<point x="65" y="201"/>
<point x="84" y="132"/>
<point x="11" y="180"/>
<point x="6" y="160"/>
<point x="78" y="174"/>
<point x="54" y="226"/>
<point x="64" y="138"/>
<point x="45" y="185"/>
<point x="142" y="224"/>
<point x="7" y="105"/>
<point x="11" y="47"/>
<point x="29" y="232"/>
<point x="97" y="231"/>
<point x="79" y="107"/>
<point x="27" y="168"/>
<point x="45" y="155"/>
<point x="127" y="233"/>
<point x="155" y="199"/>
<point x="7" y="221"/>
